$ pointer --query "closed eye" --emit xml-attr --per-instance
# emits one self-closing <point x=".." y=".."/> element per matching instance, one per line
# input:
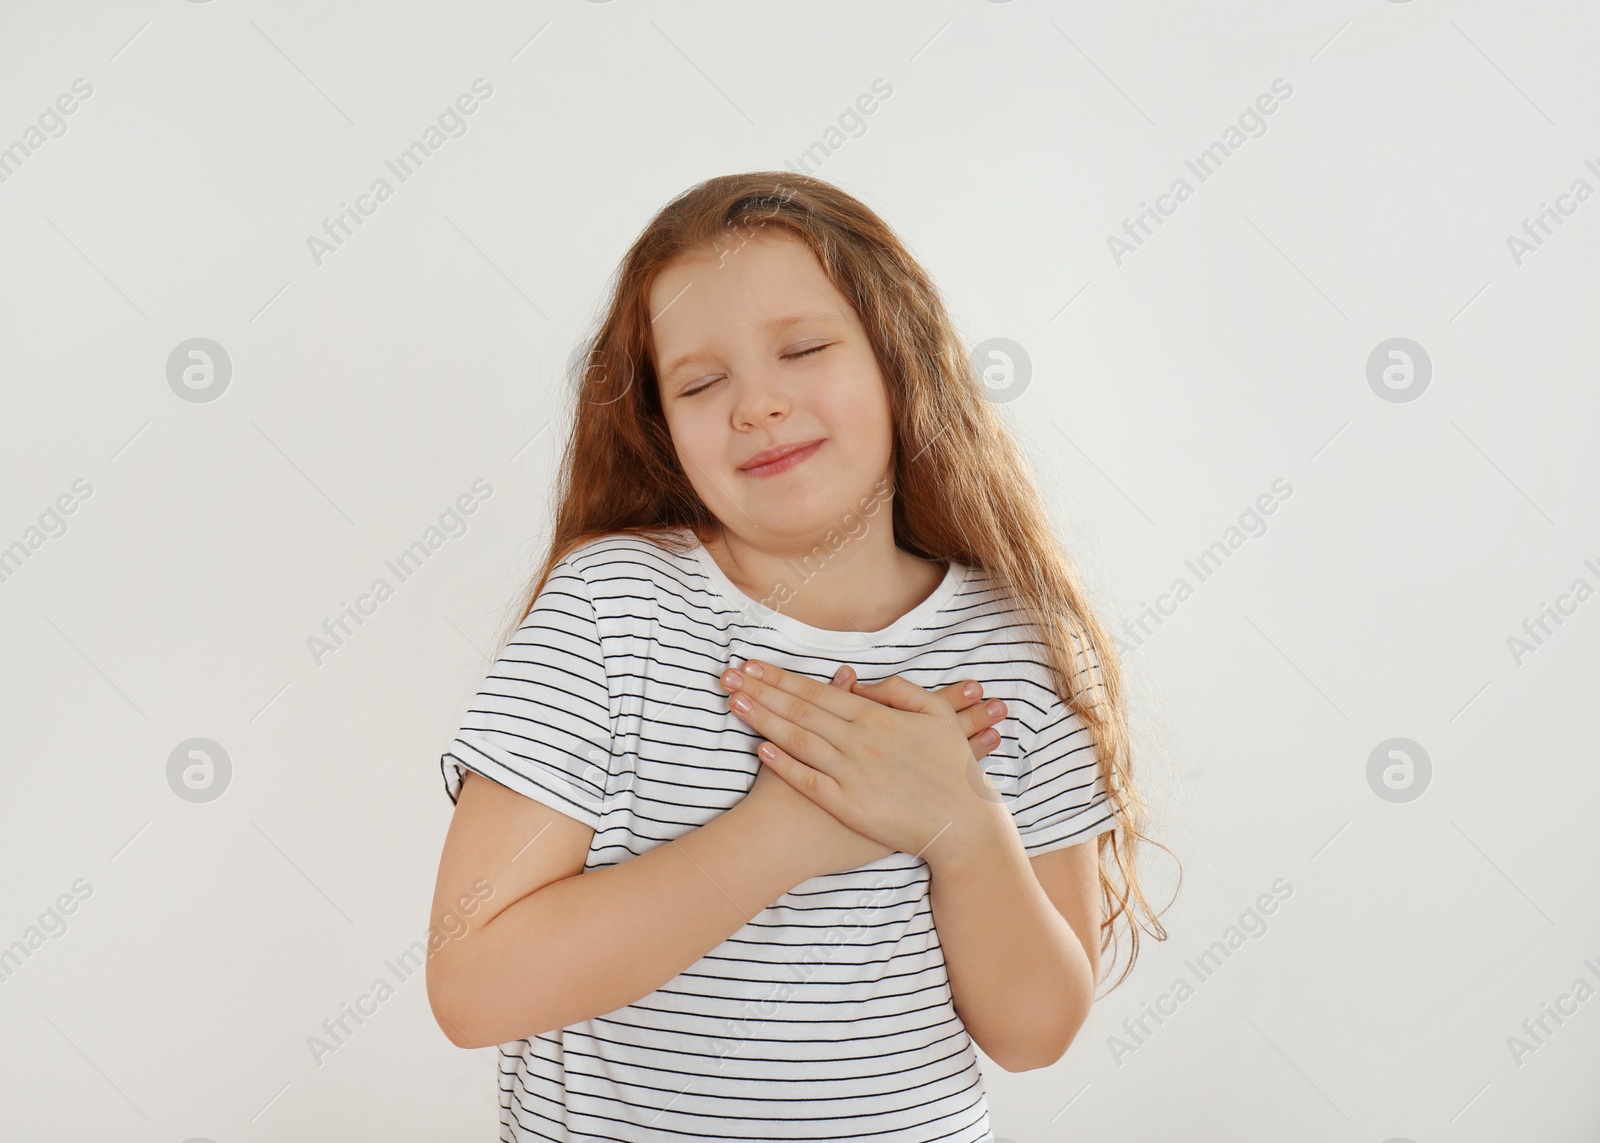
<point x="787" y="357"/>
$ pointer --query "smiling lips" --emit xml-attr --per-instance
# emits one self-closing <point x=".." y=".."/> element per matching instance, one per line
<point x="781" y="459"/>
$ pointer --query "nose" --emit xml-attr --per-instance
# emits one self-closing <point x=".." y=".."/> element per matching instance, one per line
<point x="760" y="401"/>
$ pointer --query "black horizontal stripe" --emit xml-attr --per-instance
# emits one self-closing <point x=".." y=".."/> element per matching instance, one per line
<point x="604" y="704"/>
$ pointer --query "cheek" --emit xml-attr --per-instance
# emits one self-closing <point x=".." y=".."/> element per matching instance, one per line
<point x="689" y="432"/>
<point x="700" y="448"/>
<point x="858" y="410"/>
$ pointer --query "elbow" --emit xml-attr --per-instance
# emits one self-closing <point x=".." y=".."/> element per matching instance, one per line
<point x="1018" y="1058"/>
<point x="444" y="1003"/>
<point x="448" y="1025"/>
<point x="1043" y="1056"/>
<point x="450" y="1022"/>
<point x="452" y="1031"/>
<point x="471" y="1017"/>
<point x="1018" y="1064"/>
<point x="1034" y="1062"/>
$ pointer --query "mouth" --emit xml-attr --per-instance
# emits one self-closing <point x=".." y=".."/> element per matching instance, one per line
<point x="782" y="459"/>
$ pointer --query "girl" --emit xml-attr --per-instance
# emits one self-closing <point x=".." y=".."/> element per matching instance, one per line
<point x="702" y="880"/>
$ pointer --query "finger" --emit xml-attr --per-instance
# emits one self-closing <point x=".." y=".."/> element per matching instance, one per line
<point x="956" y="693"/>
<point x="972" y="713"/>
<point x="842" y="678"/>
<point x="983" y="742"/>
<point x="809" y="746"/>
<point x="816" y="706"/>
<point x="814" y="784"/>
<point x="981" y="716"/>
<point x="902" y="694"/>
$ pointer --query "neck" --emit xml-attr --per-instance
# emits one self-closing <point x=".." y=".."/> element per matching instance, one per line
<point x="863" y="584"/>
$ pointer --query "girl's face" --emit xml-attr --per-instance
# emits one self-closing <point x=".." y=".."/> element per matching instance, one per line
<point x="755" y="349"/>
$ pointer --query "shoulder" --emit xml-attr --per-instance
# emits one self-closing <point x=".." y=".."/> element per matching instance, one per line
<point x="1013" y="638"/>
<point x="987" y="605"/>
<point x="626" y="565"/>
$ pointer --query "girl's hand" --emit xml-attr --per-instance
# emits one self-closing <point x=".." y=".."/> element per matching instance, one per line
<point x="834" y="847"/>
<point x="890" y="760"/>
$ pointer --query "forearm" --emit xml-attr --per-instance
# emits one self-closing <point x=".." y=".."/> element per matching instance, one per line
<point x="600" y="940"/>
<point x="1021" y="980"/>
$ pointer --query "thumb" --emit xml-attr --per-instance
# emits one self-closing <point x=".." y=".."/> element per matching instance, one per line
<point x="844" y="677"/>
<point x="900" y="693"/>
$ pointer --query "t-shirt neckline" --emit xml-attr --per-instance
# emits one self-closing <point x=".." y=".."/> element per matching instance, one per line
<point x="820" y="638"/>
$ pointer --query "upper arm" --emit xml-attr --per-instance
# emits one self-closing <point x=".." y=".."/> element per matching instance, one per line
<point x="501" y="847"/>
<point x="1070" y="877"/>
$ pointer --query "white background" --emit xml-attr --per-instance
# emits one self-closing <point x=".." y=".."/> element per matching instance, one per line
<point x="1166" y="394"/>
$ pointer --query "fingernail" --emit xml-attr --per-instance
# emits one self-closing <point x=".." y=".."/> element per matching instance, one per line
<point x="733" y="680"/>
<point x="990" y="737"/>
<point x="972" y="690"/>
<point x="996" y="708"/>
<point x="753" y="670"/>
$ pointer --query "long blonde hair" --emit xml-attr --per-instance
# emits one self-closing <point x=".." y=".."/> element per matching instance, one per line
<point x="961" y="490"/>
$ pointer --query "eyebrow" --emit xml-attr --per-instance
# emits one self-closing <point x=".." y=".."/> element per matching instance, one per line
<point x="773" y="326"/>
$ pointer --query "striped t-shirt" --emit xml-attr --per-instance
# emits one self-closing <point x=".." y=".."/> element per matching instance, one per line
<point x="829" y="1015"/>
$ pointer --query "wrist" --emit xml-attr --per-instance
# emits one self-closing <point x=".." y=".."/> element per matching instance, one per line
<point x="769" y="835"/>
<point x="984" y="834"/>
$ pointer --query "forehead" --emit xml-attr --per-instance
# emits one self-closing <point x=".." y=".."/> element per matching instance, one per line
<point x="755" y="281"/>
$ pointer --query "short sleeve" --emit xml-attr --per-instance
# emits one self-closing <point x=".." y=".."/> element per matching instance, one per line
<point x="541" y="723"/>
<point x="1058" y="797"/>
